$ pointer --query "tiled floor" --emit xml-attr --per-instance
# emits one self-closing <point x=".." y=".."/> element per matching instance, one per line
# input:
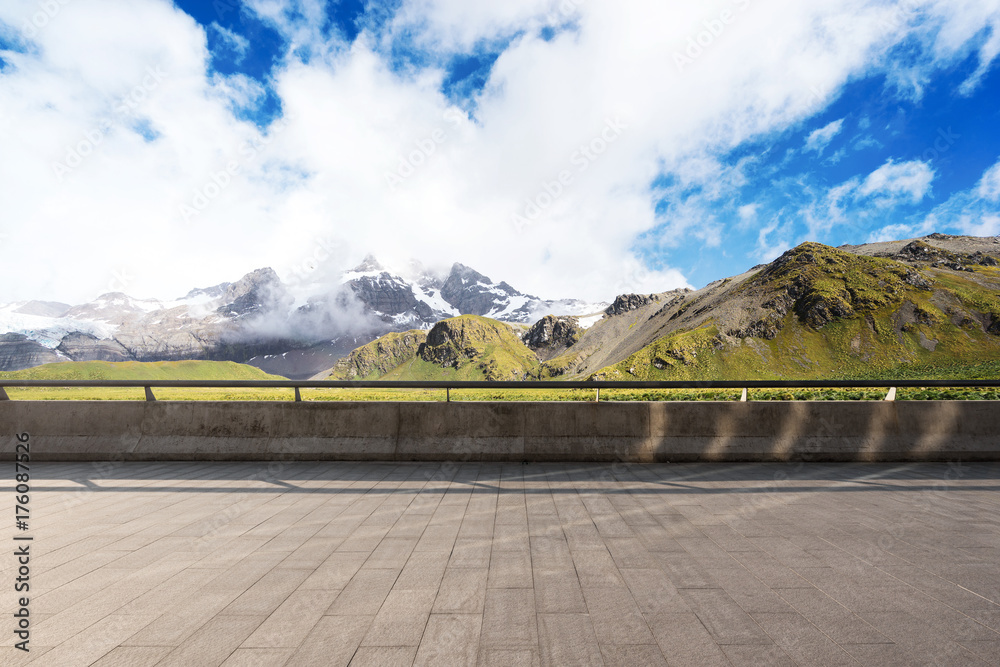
<point x="442" y="564"/>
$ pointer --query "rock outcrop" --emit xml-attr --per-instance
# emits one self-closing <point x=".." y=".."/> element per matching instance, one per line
<point x="472" y="293"/>
<point x="491" y="347"/>
<point x="551" y="335"/>
<point x="257" y="292"/>
<point x="628" y="302"/>
<point x="18" y="352"/>
<point x="87" y="347"/>
<point x="379" y="356"/>
<point x="389" y="296"/>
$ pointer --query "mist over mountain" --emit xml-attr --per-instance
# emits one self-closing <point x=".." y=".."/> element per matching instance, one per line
<point x="813" y="312"/>
<point x="293" y="330"/>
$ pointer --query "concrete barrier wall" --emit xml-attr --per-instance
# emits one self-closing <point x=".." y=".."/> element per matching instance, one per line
<point x="515" y="431"/>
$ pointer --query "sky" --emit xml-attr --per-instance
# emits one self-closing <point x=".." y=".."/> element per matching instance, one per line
<point x="573" y="148"/>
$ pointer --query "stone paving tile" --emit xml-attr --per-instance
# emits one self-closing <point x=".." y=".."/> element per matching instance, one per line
<point x="259" y="657"/>
<point x="131" y="656"/>
<point x="654" y="593"/>
<point x="921" y="639"/>
<point x="462" y="591"/>
<point x="499" y="564"/>
<point x="749" y="655"/>
<point x="632" y="655"/>
<point x="291" y="622"/>
<point x="725" y="620"/>
<point x="616" y="617"/>
<point x="889" y="655"/>
<point x="509" y="658"/>
<point x="836" y="621"/>
<point x="568" y="639"/>
<point x="801" y="640"/>
<point x="685" y="640"/>
<point x="332" y="642"/>
<point x="384" y="656"/>
<point x="213" y="642"/>
<point x="423" y="570"/>
<point x="88" y="646"/>
<point x="401" y="619"/>
<point x="450" y="639"/>
<point x="365" y="593"/>
<point x="268" y="593"/>
<point x="629" y="553"/>
<point x="509" y="619"/>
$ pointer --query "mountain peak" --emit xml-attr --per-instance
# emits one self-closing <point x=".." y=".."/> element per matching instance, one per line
<point x="467" y="274"/>
<point x="368" y="264"/>
<point x="258" y="290"/>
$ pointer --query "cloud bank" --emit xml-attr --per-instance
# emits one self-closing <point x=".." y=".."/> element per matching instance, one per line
<point x="600" y="154"/>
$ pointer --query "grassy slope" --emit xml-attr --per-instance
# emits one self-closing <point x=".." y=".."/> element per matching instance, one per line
<point x="375" y="359"/>
<point x="469" y="348"/>
<point x="142" y="370"/>
<point x="866" y="343"/>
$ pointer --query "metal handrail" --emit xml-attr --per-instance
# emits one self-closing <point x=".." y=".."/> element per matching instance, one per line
<point x="523" y="384"/>
<point x="597" y="385"/>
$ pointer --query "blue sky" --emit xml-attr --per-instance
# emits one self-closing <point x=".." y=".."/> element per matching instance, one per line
<point x="571" y="147"/>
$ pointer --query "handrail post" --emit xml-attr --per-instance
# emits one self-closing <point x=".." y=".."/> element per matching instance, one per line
<point x="298" y="396"/>
<point x="743" y="396"/>
<point x="447" y="394"/>
<point x="149" y="394"/>
<point x="597" y="398"/>
<point x="3" y="395"/>
<point x="891" y="396"/>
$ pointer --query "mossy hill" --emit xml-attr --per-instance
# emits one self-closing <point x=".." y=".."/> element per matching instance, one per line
<point x="896" y="310"/>
<point x="828" y="313"/>
<point x="461" y="348"/>
<point x="142" y="370"/>
<point x="372" y="361"/>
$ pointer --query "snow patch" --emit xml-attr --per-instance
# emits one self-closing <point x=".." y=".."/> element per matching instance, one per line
<point x="49" y="331"/>
<point x="590" y="320"/>
<point x="432" y="297"/>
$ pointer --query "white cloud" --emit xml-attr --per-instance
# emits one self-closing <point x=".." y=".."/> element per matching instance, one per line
<point x="768" y="249"/>
<point x="894" y="181"/>
<point x="989" y="184"/>
<point x="819" y="139"/>
<point x="975" y="212"/>
<point x="987" y="54"/>
<point x="857" y="202"/>
<point x="238" y="44"/>
<point x="282" y="196"/>
<point x="460" y="24"/>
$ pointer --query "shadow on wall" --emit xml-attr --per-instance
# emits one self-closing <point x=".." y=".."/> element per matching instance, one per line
<point x="512" y="432"/>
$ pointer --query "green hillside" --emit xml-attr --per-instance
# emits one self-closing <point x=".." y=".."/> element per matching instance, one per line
<point x="816" y="312"/>
<point x="833" y="314"/>
<point x="142" y="370"/>
<point x="461" y="348"/>
<point x="372" y="361"/>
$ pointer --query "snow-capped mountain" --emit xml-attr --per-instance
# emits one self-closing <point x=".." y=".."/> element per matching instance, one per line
<point x="258" y="320"/>
<point x="419" y="299"/>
